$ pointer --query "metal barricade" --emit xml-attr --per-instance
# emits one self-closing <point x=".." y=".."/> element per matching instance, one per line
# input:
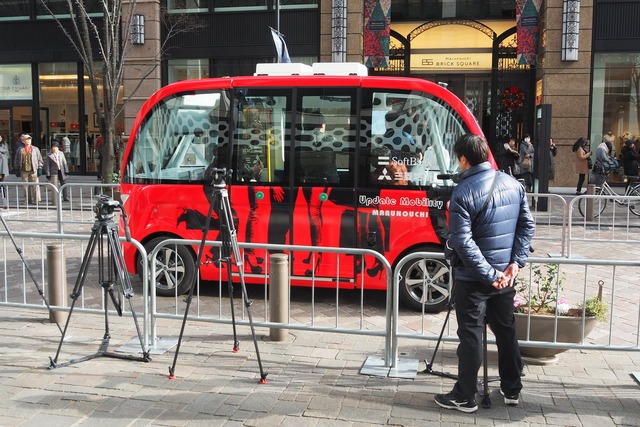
<point x="53" y="213"/>
<point x="18" y="290"/>
<point x="582" y="277"/>
<point x="550" y="222"/>
<point x="325" y="319"/>
<point x="614" y="224"/>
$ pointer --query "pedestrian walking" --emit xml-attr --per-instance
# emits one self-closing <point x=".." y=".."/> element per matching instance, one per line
<point x="583" y="158"/>
<point x="4" y="170"/>
<point x="56" y="169"/>
<point x="510" y="158"/>
<point x="526" y="162"/>
<point x="28" y="164"/>
<point x="492" y="244"/>
<point x="553" y="152"/>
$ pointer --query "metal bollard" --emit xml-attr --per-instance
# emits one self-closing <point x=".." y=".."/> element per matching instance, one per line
<point x="279" y="295"/>
<point x="57" y="283"/>
<point x="591" y="190"/>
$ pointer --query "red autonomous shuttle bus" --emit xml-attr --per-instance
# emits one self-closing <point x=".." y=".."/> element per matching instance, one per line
<point x="322" y="156"/>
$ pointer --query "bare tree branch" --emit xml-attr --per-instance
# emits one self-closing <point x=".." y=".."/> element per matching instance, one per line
<point x="112" y="44"/>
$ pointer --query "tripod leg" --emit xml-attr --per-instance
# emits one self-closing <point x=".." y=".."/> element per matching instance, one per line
<point x="486" y="399"/>
<point x="233" y="241"/>
<point x="450" y="307"/>
<point x="77" y="290"/>
<point x="205" y="229"/>
<point x="225" y="253"/>
<point x="125" y="284"/>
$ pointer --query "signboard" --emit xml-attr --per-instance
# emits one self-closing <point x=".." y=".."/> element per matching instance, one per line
<point x="451" y="61"/>
<point x="15" y="82"/>
<point x="377" y="20"/>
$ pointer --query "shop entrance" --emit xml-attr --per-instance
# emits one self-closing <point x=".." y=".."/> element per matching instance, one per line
<point x="15" y="120"/>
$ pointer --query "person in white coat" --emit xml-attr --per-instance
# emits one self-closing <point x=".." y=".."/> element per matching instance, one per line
<point x="4" y="170"/>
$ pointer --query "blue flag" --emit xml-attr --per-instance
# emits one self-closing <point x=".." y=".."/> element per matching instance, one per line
<point x="281" y="46"/>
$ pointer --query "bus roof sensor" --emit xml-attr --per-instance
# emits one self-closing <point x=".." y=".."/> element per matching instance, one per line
<point x="283" y="69"/>
<point x="340" y="69"/>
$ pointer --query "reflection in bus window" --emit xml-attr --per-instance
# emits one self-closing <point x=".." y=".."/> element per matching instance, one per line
<point x="260" y="147"/>
<point x="180" y="138"/>
<point x="325" y="138"/>
<point x="417" y="129"/>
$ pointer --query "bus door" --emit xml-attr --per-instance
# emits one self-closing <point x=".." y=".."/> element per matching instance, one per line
<point x="323" y="186"/>
<point x="407" y="147"/>
<point x="261" y="194"/>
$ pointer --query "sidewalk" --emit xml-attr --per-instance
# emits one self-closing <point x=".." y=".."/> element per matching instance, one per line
<point x="313" y="380"/>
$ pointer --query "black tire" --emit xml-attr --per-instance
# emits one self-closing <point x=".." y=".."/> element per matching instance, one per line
<point x="634" y="206"/>
<point x="170" y="260"/>
<point x="425" y="282"/>
<point x="599" y="205"/>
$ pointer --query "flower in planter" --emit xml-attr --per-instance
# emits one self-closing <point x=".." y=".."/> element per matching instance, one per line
<point x="543" y="296"/>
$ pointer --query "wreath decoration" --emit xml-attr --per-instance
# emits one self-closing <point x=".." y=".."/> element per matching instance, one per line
<point x="512" y="98"/>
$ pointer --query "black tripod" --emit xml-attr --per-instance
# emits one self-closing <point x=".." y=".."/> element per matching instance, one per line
<point x="104" y="227"/>
<point x="483" y="386"/>
<point x="214" y="184"/>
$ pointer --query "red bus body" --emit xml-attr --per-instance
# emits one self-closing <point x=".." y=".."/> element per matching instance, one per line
<point x="325" y="186"/>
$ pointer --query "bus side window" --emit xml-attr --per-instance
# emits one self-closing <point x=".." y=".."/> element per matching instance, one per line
<point x="259" y="138"/>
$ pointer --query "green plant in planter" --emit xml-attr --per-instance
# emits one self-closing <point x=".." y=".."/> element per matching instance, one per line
<point x="543" y="298"/>
<point x="113" y="177"/>
<point x="595" y="307"/>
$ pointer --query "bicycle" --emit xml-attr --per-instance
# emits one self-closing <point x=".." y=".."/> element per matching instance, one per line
<point x="605" y="189"/>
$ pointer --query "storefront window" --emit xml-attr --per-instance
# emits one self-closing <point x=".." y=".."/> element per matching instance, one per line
<point x="229" y="5"/>
<point x="13" y="11"/>
<point x="422" y="10"/>
<point x="186" y="69"/>
<point x="60" y="8"/>
<point x="58" y="84"/>
<point x="187" y="5"/>
<point x="616" y="97"/>
<point x="181" y="6"/>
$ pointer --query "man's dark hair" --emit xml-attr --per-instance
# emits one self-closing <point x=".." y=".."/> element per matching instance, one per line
<point x="473" y="147"/>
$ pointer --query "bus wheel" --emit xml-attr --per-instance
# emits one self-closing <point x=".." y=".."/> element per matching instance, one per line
<point x="425" y="282"/>
<point x="175" y="268"/>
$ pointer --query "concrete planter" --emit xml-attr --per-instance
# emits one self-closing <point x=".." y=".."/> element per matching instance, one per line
<point x="542" y="329"/>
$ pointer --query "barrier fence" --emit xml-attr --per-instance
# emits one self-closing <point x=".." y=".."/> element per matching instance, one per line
<point x="53" y="211"/>
<point x="323" y="306"/>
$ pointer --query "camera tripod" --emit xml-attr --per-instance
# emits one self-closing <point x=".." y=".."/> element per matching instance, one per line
<point x="104" y="236"/>
<point x="214" y="182"/>
<point x="483" y="385"/>
<point x="26" y="266"/>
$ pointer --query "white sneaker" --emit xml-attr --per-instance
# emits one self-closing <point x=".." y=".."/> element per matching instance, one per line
<point x="511" y="400"/>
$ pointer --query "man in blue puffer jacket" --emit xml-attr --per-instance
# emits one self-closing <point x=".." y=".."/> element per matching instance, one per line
<point x="492" y="244"/>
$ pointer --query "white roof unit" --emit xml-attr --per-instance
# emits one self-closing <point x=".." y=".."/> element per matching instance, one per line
<point x="340" y="69"/>
<point x="283" y="69"/>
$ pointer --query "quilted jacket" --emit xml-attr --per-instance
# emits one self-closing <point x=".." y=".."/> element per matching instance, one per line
<point x="502" y="232"/>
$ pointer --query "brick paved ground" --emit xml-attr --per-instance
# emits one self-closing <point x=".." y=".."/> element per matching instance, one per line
<point x="313" y="380"/>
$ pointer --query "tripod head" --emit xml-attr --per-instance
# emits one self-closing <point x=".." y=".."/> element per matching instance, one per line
<point x="105" y="208"/>
<point x="215" y="177"/>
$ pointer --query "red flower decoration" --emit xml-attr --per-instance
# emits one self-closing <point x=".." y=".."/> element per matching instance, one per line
<point x="512" y="98"/>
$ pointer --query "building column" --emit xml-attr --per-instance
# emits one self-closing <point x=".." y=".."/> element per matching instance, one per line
<point x="565" y="84"/>
<point x="142" y="74"/>
<point x="355" y="21"/>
